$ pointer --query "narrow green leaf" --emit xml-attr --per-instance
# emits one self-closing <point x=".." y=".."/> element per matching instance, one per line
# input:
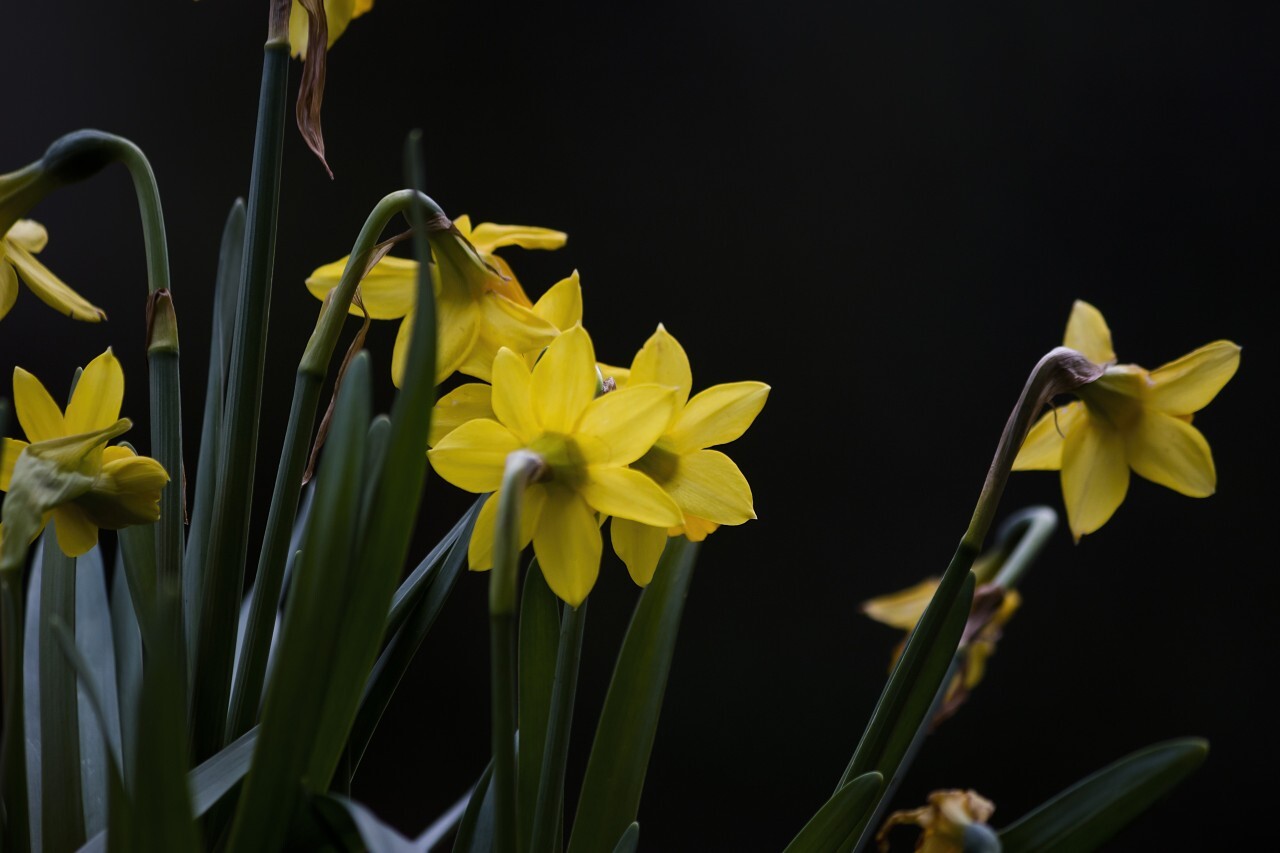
<point x="443" y="825"/>
<point x="840" y="816"/>
<point x="475" y="832"/>
<point x="61" y="805"/>
<point x="548" y="817"/>
<point x="1087" y="814"/>
<point x="344" y="814"/>
<point x="226" y="293"/>
<point x="539" y="641"/>
<point x="410" y="592"/>
<point x="629" y="841"/>
<point x="30" y="682"/>
<point x="126" y="640"/>
<point x="434" y="588"/>
<point x="94" y="641"/>
<point x="219" y="774"/>
<point x="610" y="798"/>
<point x="319" y="601"/>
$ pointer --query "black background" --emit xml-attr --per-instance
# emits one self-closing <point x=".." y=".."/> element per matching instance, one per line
<point x="882" y="210"/>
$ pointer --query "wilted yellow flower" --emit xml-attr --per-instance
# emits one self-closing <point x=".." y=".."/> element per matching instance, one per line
<point x="476" y="306"/>
<point x="585" y="443"/>
<point x="1130" y="418"/>
<point x="105" y="487"/>
<point x="18" y="248"/>
<point x="705" y="483"/>
<point x="943" y="821"/>
<point x="338" y="13"/>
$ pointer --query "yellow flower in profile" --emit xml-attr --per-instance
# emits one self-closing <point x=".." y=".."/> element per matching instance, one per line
<point x="338" y="13"/>
<point x="585" y="443"/>
<point x="114" y="487"/>
<point x="476" y="306"/>
<point x="18" y="248"/>
<point x="993" y="607"/>
<point x="706" y="484"/>
<point x="1130" y="418"/>
<point x="943" y="821"/>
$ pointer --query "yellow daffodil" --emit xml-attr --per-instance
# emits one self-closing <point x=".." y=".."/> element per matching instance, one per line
<point x="476" y="306"/>
<point x="97" y="486"/>
<point x="993" y="607"/>
<point x="338" y="13"/>
<point x="943" y="821"/>
<point x="706" y="484"/>
<point x="585" y="442"/>
<point x="18" y="248"/>
<point x="1130" y="418"/>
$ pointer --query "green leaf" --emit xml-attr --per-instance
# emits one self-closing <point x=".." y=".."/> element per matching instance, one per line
<point x="226" y="293"/>
<point x="410" y="592"/>
<point x="344" y="815"/>
<point x="320" y="600"/>
<point x="629" y="841"/>
<point x="61" y="804"/>
<point x="219" y="774"/>
<point x="539" y="640"/>
<point x="126" y="640"/>
<point x="98" y="677"/>
<point x="30" y="683"/>
<point x="840" y="816"/>
<point x="432" y="590"/>
<point x="619" y="758"/>
<point x="475" y="832"/>
<point x="1087" y="814"/>
<point x="548" y="819"/>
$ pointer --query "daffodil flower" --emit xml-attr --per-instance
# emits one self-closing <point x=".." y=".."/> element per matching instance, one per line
<point x="943" y="821"/>
<point x="1130" y="418"/>
<point x="476" y="306"/>
<point x="96" y="486"/>
<point x="18" y="248"/>
<point x="339" y="13"/>
<point x="585" y="443"/>
<point x="993" y="607"/>
<point x="706" y="484"/>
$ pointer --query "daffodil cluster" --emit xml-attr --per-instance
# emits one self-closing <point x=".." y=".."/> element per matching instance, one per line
<point x="633" y="445"/>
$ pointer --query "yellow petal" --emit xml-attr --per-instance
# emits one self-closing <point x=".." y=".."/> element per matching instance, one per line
<point x="1095" y="474"/>
<point x="663" y="361"/>
<point x="694" y="529"/>
<point x="561" y="305"/>
<point x="76" y="533"/>
<point x="504" y="283"/>
<point x="512" y="401"/>
<point x="462" y="404"/>
<point x="1042" y="451"/>
<point x="361" y="6"/>
<point x="28" y="234"/>
<point x="639" y="546"/>
<point x="621" y="426"/>
<point x="8" y="458"/>
<point x="41" y="418"/>
<point x="8" y="285"/>
<point x="1173" y="453"/>
<point x="388" y="292"/>
<point x="472" y="457"/>
<point x="902" y="609"/>
<point x="51" y="289"/>
<point x="564" y="381"/>
<point x="568" y="545"/>
<point x="459" y="328"/>
<point x="126" y="492"/>
<point x="707" y="484"/>
<point x="115" y="453"/>
<point x="717" y="415"/>
<point x="96" y="401"/>
<point x="1087" y="334"/>
<point x="1189" y="383"/>
<point x="510" y="325"/>
<point x="625" y="493"/>
<point x="480" y="549"/>
<point x="338" y="13"/>
<point x="487" y="236"/>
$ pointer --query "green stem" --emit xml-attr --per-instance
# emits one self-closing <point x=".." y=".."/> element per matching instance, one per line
<point x="229" y="529"/>
<point x="521" y="468"/>
<point x="13" y="753"/>
<point x="550" y="804"/>
<point x="293" y="457"/>
<point x="62" y="816"/>
<point x="1031" y="527"/>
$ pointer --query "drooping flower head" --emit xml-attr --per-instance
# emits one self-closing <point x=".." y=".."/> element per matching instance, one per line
<point x="1129" y="419"/>
<point x="85" y="484"/>
<point x="705" y="483"/>
<point x="943" y="823"/>
<point x="18" y="248"/>
<point x="480" y="305"/>
<point x="585" y="443"/>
